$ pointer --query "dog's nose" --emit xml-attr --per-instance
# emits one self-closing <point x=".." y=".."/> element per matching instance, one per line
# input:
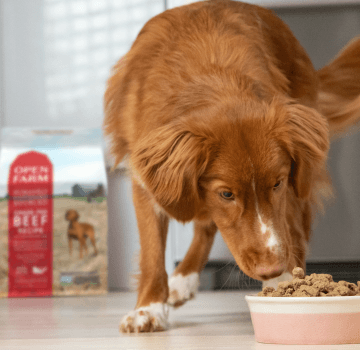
<point x="266" y="272"/>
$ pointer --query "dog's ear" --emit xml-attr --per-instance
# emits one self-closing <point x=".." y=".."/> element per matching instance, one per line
<point x="308" y="144"/>
<point x="169" y="161"/>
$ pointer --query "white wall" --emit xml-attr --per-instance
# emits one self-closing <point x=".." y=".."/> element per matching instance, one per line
<point x="58" y="54"/>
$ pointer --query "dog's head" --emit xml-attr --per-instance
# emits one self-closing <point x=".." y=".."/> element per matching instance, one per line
<point x="243" y="166"/>
<point x="71" y="215"/>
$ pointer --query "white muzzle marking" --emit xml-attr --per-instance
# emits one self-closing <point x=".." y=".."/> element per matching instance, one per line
<point x="272" y="241"/>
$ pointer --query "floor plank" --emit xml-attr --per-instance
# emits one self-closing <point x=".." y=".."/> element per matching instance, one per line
<point x="214" y="320"/>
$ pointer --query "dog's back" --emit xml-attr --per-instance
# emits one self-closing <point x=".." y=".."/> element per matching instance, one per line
<point x="196" y="49"/>
<point x="87" y="229"/>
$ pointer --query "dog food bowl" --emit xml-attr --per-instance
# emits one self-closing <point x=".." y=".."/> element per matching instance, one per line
<point x="305" y="320"/>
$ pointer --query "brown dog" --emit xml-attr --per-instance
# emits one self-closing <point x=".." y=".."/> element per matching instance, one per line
<point x="79" y="231"/>
<point x="226" y="123"/>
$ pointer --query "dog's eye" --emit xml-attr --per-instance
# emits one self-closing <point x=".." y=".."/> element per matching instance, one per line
<point x="277" y="185"/>
<point x="227" y="195"/>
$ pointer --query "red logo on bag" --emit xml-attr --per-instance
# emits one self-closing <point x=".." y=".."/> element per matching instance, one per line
<point x="30" y="189"/>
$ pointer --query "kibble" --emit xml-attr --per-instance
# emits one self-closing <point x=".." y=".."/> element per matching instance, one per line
<point x="298" y="272"/>
<point x="315" y="285"/>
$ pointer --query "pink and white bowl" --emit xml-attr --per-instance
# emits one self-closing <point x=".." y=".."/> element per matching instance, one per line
<point x="319" y="320"/>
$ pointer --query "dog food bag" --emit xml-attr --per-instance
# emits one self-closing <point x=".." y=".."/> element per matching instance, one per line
<point x="53" y="213"/>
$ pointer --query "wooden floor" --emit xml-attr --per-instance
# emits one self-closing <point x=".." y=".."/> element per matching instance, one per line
<point x="214" y="320"/>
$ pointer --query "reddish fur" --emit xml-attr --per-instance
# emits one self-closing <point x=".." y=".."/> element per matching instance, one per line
<point x="218" y="96"/>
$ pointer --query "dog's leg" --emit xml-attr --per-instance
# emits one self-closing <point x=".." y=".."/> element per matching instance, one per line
<point x="184" y="282"/>
<point x="151" y="312"/>
<point x="85" y="245"/>
<point x="81" y="247"/>
<point x="93" y="242"/>
<point x="70" y="245"/>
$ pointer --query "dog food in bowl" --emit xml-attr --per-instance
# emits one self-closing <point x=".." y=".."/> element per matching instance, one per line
<point x="315" y="285"/>
<point x="307" y="310"/>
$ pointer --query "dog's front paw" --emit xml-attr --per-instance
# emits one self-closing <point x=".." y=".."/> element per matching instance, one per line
<point x="182" y="288"/>
<point x="152" y="318"/>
